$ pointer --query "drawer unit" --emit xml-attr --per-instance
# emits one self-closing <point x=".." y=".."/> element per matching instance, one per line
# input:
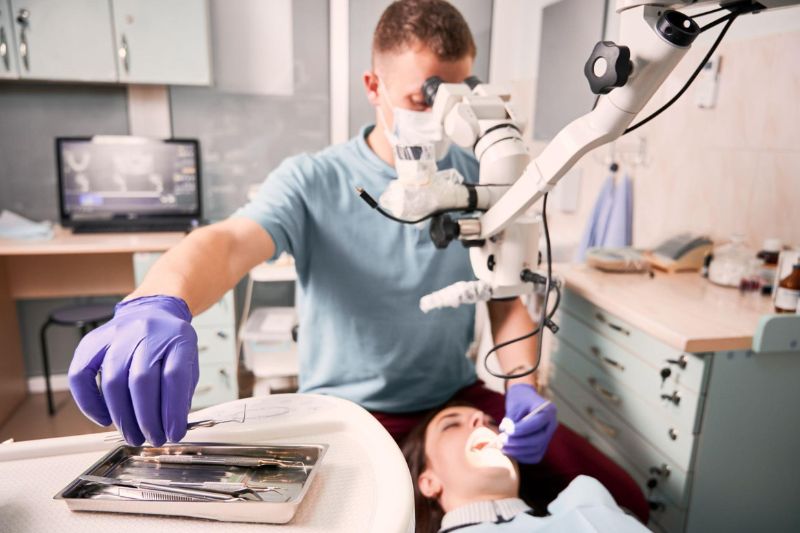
<point x="645" y="458"/>
<point x="610" y="370"/>
<point x="215" y="344"/>
<point x="665" y="513"/>
<point x="217" y="384"/>
<point x="221" y="313"/>
<point x="684" y="369"/>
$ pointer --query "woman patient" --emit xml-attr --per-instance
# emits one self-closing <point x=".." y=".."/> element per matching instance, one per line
<point x="463" y="481"/>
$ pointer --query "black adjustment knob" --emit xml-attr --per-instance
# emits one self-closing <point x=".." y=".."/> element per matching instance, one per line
<point x="443" y="230"/>
<point x="429" y="88"/>
<point x="609" y="66"/>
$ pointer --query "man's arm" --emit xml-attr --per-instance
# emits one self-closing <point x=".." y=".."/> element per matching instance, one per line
<point x="208" y="263"/>
<point x="510" y="319"/>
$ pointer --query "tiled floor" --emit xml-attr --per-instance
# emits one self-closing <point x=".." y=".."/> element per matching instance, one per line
<point x="31" y="421"/>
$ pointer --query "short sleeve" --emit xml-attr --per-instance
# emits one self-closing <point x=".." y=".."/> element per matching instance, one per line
<point x="281" y="205"/>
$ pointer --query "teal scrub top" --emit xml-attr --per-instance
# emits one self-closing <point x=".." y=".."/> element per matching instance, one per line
<point x="362" y="336"/>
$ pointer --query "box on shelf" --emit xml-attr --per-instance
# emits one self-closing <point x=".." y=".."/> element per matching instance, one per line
<point x="269" y="350"/>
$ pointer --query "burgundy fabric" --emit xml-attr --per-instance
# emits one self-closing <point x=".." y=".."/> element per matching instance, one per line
<point x="568" y="456"/>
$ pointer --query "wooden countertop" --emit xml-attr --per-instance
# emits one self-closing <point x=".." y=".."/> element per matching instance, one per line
<point x="65" y="242"/>
<point x="685" y="311"/>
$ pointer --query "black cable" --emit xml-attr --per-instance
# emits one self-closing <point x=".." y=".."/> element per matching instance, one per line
<point x="703" y="14"/>
<point x="545" y="318"/>
<point x="729" y="18"/>
<point x="374" y="205"/>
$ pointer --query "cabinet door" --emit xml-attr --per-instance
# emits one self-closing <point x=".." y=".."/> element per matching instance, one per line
<point x="162" y="42"/>
<point x="8" y="56"/>
<point x="64" y="40"/>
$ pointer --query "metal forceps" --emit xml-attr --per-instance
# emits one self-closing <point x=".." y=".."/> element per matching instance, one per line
<point x="207" y="423"/>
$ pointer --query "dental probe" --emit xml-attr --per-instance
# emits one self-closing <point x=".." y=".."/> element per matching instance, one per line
<point x="502" y="436"/>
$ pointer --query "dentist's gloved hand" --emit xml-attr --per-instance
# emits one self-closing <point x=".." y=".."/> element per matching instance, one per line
<point x="526" y="439"/>
<point x="147" y="358"/>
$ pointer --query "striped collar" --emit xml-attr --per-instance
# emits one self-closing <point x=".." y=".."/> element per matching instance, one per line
<point x="494" y="511"/>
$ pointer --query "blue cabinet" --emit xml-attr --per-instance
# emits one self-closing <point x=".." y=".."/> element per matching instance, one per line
<point x="711" y="437"/>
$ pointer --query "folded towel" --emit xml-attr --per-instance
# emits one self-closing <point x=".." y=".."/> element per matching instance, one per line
<point x="611" y="222"/>
<point x="14" y="226"/>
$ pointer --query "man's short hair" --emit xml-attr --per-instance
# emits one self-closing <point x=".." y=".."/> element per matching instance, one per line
<point x="435" y="24"/>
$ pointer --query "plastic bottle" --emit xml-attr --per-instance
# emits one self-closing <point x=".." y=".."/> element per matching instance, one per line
<point x="788" y="291"/>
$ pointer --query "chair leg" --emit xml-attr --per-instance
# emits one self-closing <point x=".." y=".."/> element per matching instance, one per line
<point x="46" y="366"/>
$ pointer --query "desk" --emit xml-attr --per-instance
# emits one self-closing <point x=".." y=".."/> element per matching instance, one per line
<point x="66" y="266"/>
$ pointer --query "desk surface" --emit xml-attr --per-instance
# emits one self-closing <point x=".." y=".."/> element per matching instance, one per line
<point x="65" y="242"/>
<point x="685" y="311"/>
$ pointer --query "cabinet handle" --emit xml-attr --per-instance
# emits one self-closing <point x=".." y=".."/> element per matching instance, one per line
<point x="607" y="360"/>
<point x="4" y="48"/>
<point x="202" y="348"/>
<point x="605" y="393"/>
<point x="662" y="471"/>
<point x="674" y="397"/>
<point x="680" y="361"/>
<point x="673" y="433"/>
<point x="202" y="390"/>
<point x="601" y="317"/>
<point x="23" y="18"/>
<point x="608" y="429"/>
<point x="656" y="506"/>
<point x="124" y="54"/>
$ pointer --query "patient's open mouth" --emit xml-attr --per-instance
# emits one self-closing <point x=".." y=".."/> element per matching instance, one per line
<point x="481" y="439"/>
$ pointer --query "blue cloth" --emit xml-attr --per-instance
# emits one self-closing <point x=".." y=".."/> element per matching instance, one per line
<point x="611" y="222"/>
<point x="362" y="336"/>
<point x="585" y="506"/>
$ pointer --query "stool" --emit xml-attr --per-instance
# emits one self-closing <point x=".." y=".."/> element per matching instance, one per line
<point x="86" y="317"/>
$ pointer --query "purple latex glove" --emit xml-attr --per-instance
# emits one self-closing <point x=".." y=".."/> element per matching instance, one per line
<point x="525" y="438"/>
<point x="147" y="358"/>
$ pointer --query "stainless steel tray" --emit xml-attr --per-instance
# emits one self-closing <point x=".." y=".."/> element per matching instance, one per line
<point x="288" y="481"/>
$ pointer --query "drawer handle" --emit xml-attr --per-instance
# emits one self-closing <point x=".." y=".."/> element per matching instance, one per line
<point x="605" y="393"/>
<point x="202" y="390"/>
<point x="662" y="471"/>
<point x="222" y="335"/>
<point x="600" y="317"/>
<point x="4" y="48"/>
<point x="608" y="429"/>
<point x="673" y="433"/>
<point x="674" y="397"/>
<point x="607" y="360"/>
<point x="680" y="361"/>
<point x="656" y="506"/>
<point x="202" y="348"/>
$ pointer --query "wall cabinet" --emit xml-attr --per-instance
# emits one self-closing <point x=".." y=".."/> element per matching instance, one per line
<point x="129" y="41"/>
<point x="158" y="41"/>
<point x="58" y="40"/>
<point x="8" y="59"/>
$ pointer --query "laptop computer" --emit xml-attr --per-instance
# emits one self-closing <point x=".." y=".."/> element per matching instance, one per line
<point x="122" y="184"/>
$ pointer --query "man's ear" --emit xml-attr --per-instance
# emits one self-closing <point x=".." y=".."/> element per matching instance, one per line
<point x="430" y="485"/>
<point x="371" y="87"/>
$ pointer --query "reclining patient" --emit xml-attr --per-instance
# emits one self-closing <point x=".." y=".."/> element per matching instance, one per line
<point x="463" y="482"/>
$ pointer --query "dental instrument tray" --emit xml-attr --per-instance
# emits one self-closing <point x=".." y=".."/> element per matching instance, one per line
<point x="227" y="482"/>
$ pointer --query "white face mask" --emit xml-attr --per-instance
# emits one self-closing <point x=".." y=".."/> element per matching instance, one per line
<point x="414" y="128"/>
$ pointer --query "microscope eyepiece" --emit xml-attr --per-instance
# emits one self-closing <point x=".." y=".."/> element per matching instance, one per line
<point x="429" y="88"/>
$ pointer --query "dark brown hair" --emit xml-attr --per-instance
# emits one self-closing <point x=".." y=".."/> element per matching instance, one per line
<point x="436" y="24"/>
<point x="428" y="513"/>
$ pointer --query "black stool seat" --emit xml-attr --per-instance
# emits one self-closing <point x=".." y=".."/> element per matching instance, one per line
<point x="80" y="315"/>
<point x="83" y="316"/>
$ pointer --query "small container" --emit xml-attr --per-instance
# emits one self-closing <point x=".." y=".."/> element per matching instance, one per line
<point x="769" y="253"/>
<point x="787" y="291"/>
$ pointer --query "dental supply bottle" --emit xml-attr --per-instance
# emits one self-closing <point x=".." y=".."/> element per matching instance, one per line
<point x="769" y="253"/>
<point x="787" y="292"/>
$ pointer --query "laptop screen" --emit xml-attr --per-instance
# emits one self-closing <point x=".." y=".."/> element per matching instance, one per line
<point x="108" y="177"/>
